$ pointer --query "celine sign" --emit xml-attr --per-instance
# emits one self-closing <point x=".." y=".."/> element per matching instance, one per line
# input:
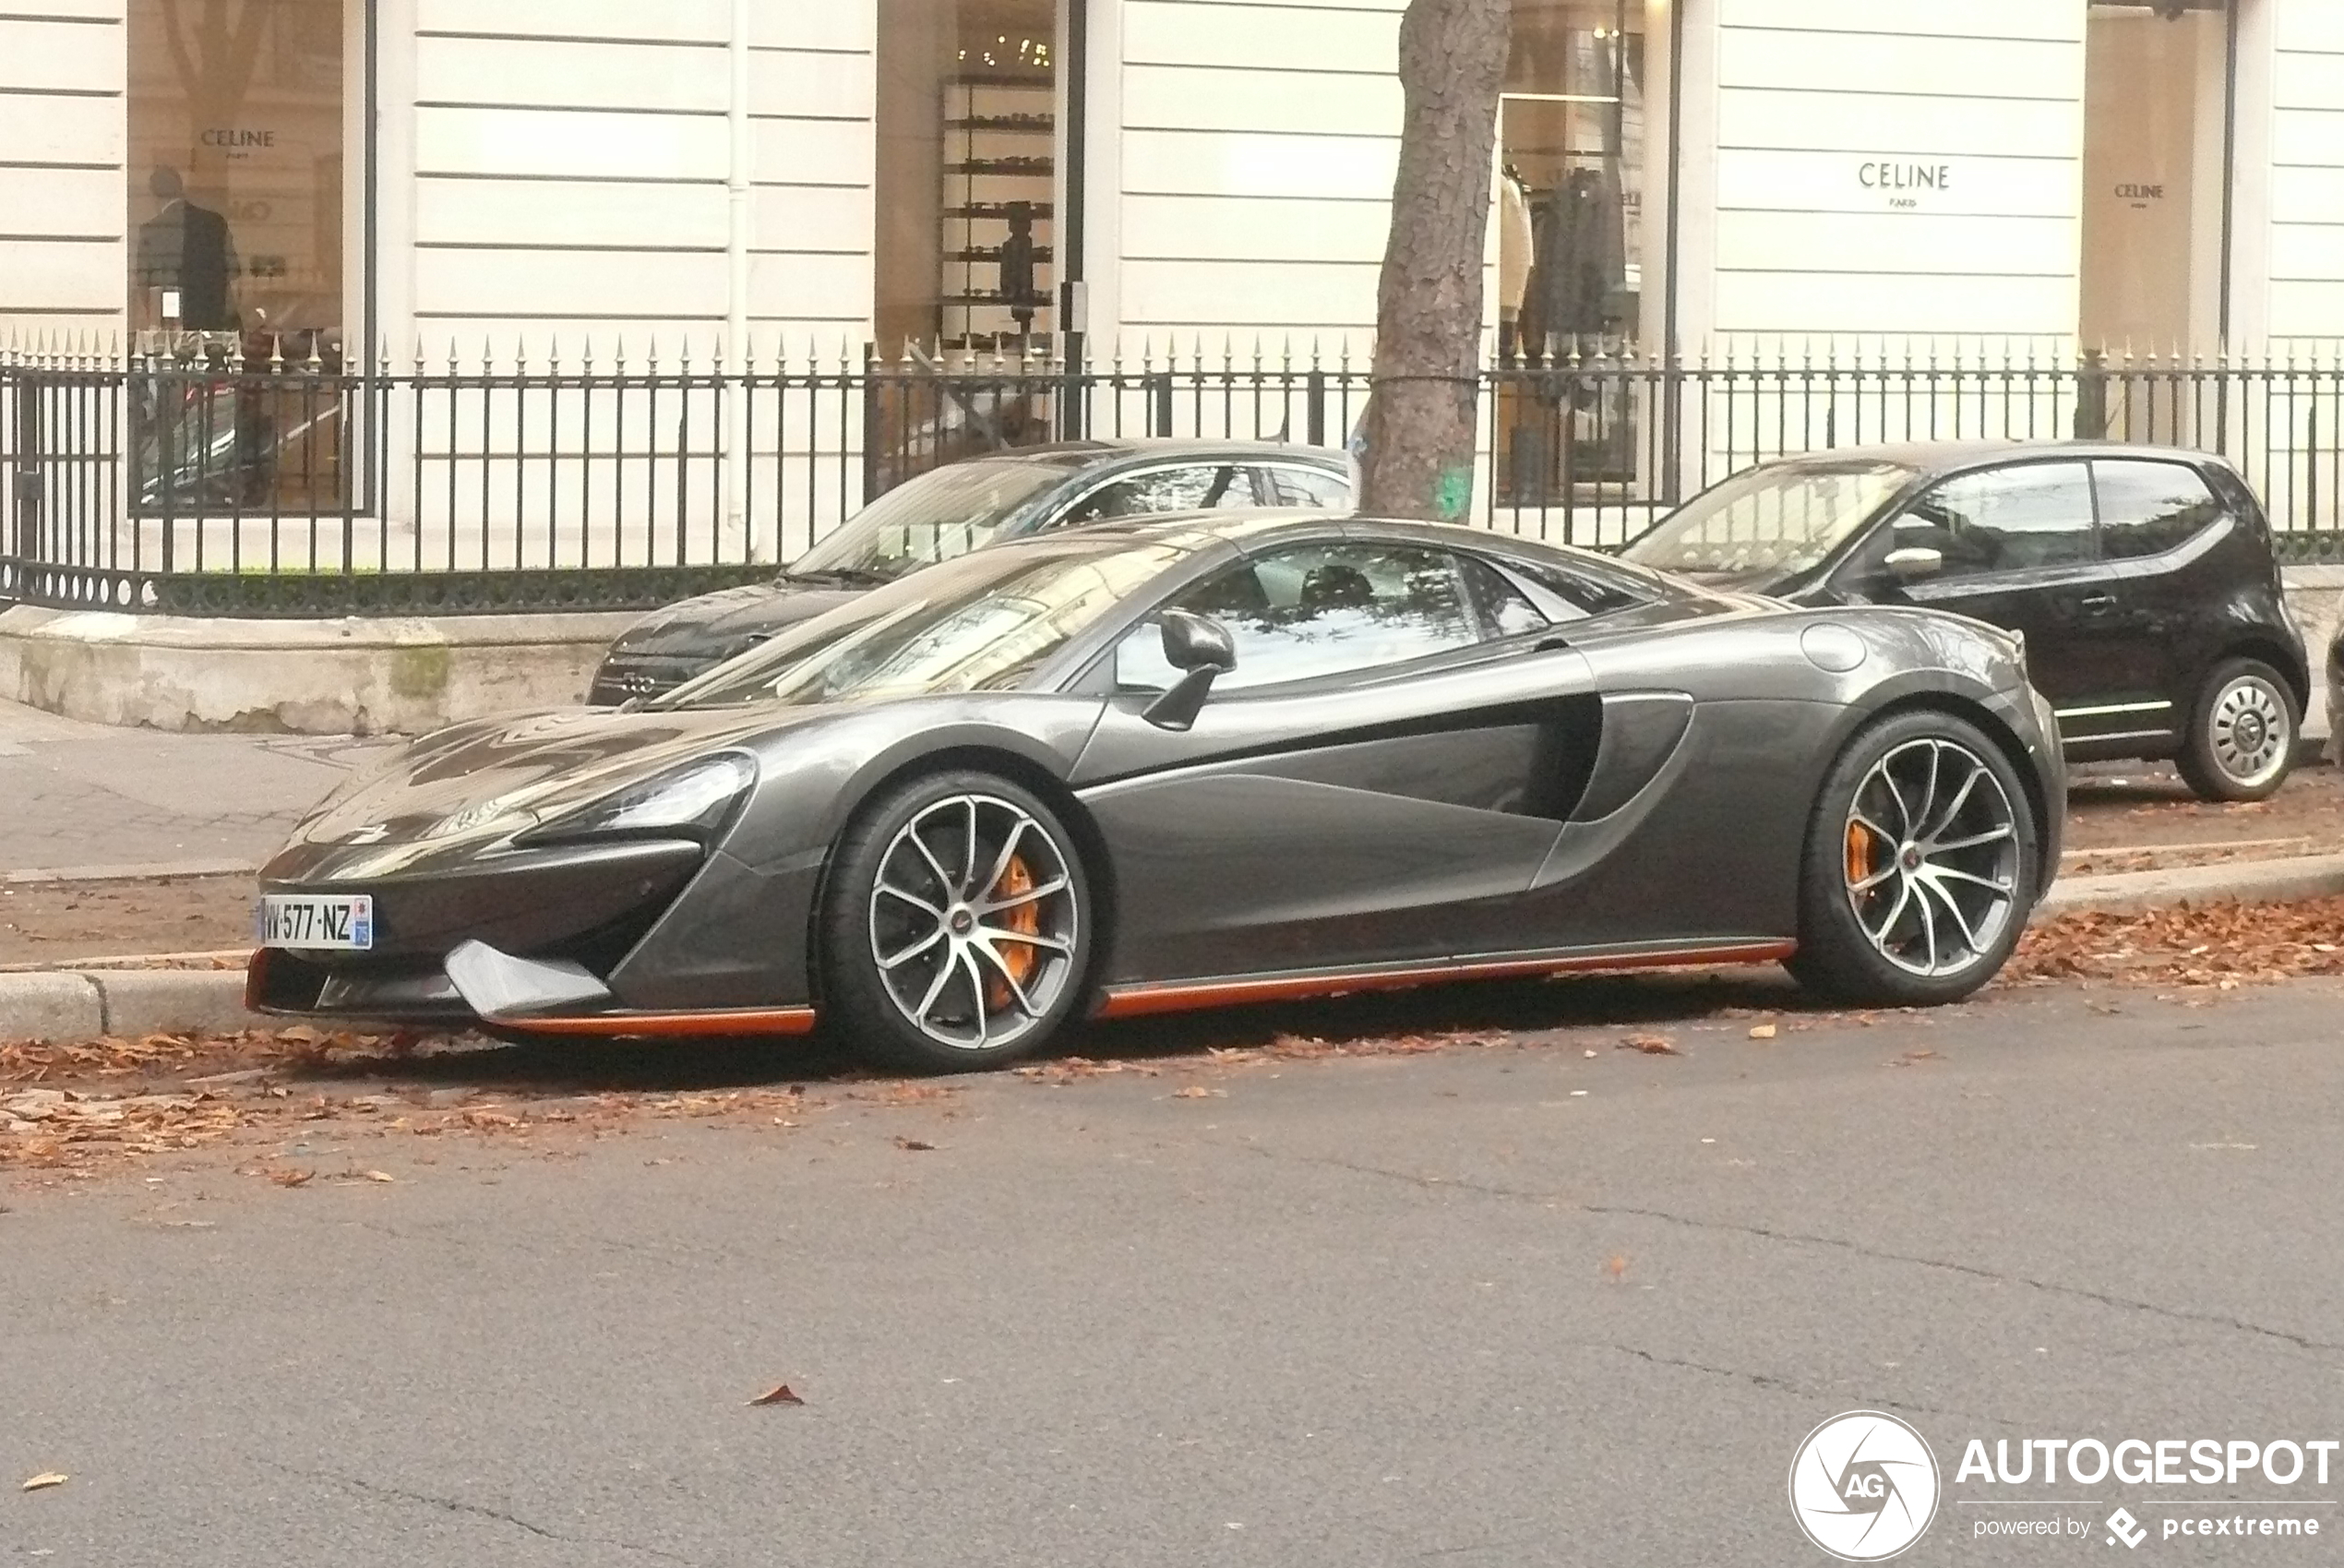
<point x="1904" y="182"/>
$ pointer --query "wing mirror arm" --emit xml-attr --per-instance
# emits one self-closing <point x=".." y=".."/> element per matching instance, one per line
<point x="1202" y="650"/>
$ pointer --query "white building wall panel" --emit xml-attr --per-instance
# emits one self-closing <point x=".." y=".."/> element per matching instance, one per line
<point x="2306" y="136"/>
<point x="1255" y="143"/>
<point x="62" y="202"/>
<point x="1891" y="168"/>
<point x="572" y="157"/>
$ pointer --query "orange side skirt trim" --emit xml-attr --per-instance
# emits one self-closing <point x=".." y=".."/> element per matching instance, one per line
<point x="1134" y="1000"/>
<point x="738" y="1021"/>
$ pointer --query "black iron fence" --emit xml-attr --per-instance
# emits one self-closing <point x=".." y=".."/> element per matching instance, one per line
<point x="228" y="477"/>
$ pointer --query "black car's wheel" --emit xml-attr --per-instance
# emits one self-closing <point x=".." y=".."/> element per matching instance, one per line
<point x="956" y="925"/>
<point x="2242" y="733"/>
<point x="1920" y="866"/>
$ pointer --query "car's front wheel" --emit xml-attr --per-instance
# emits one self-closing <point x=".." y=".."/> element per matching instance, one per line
<point x="1921" y="863"/>
<point x="2242" y="733"/>
<point x="956" y="925"/>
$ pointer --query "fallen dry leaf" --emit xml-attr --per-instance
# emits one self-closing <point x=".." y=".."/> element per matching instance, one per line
<point x="1651" y="1045"/>
<point x="1616" y="1266"/>
<point x="1762" y="1032"/>
<point x="376" y="1175"/>
<point x="1199" y="1092"/>
<point x="780" y="1393"/>
<point x="915" y="1144"/>
<point x="2190" y="945"/>
<point x="1913" y="1056"/>
<point x="46" y="1480"/>
<point x="291" y="1177"/>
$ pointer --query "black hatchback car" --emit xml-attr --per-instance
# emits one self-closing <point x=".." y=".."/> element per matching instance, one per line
<point x="2142" y="577"/>
<point x="951" y="510"/>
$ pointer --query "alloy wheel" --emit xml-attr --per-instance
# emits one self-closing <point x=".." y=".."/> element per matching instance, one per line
<point x="2249" y="730"/>
<point x="1932" y="858"/>
<point x="973" y="921"/>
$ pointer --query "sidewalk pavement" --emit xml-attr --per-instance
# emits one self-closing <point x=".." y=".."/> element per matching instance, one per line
<point x="80" y="801"/>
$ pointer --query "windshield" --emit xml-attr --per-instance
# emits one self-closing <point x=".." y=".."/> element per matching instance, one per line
<point x="1780" y="518"/>
<point x="982" y="624"/>
<point x="944" y="514"/>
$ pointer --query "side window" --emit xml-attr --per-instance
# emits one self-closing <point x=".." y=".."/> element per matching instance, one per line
<point x="1317" y="610"/>
<point x="2037" y="514"/>
<point x="1165" y="490"/>
<point x="1503" y="609"/>
<point x="2147" y="507"/>
<point x="1299" y="486"/>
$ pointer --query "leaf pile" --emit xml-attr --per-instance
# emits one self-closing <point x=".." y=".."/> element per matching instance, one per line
<point x="2187" y="944"/>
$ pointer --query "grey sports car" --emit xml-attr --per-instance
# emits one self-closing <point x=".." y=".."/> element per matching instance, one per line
<point x="1188" y="761"/>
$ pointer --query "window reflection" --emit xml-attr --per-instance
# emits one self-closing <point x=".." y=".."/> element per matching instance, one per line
<point x="235" y="137"/>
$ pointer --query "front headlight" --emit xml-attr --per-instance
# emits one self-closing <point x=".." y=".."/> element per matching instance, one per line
<point x="696" y="799"/>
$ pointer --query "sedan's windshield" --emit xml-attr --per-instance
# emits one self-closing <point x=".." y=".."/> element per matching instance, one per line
<point x="943" y="513"/>
<point x="982" y="624"/>
<point x="1783" y="517"/>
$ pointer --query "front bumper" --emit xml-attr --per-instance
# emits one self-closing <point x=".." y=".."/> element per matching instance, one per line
<point x="634" y="937"/>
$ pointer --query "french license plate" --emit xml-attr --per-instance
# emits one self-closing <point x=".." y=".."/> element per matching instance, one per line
<point x="344" y="922"/>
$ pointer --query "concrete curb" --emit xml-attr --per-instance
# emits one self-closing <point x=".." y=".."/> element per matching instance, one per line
<point x="82" y="1004"/>
<point x="141" y="872"/>
<point x="2306" y="876"/>
<point x="76" y="1004"/>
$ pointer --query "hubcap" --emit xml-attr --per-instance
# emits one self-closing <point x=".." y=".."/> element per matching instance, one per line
<point x="1932" y="858"/>
<point x="973" y="921"/>
<point x="2249" y="730"/>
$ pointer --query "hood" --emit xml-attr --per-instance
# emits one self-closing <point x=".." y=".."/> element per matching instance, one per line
<point x="719" y="625"/>
<point x="468" y="788"/>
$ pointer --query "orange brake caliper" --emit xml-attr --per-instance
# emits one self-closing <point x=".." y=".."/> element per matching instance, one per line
<point x="1024" y="919"/>
<point x="1859" y="853"/>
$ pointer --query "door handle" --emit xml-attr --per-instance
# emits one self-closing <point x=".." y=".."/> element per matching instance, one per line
<point x="2097" y="603"/>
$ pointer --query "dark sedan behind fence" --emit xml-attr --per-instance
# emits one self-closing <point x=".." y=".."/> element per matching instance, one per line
<point x="232" y="477"/>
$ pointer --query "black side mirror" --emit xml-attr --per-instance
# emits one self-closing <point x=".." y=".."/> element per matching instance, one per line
<point x="1197" y="643"/>
<point x="1202" y="650"/>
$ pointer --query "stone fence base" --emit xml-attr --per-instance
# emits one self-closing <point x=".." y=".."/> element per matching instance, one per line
<point x="353" y="675"/>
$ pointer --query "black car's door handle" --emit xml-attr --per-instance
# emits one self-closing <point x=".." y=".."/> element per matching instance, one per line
<point x="2097" y="603"/>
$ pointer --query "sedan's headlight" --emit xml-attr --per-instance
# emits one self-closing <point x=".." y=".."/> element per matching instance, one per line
<point x="695" y="798"/>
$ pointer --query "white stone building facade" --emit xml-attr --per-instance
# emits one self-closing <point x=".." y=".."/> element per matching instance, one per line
<point x="841" y="172"/>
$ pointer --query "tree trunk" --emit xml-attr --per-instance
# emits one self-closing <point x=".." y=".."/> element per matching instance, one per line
<point x="1419" y="426"/>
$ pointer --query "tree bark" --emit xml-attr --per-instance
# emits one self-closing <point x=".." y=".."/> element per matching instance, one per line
<point x="1419" y="425"/>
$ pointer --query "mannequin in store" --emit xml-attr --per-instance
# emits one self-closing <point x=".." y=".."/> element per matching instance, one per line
<point x="1017" y="268"/>
<point x="1578" y="257"/>
<point x="188" y="248"/>
<point x="1516" y="245"/>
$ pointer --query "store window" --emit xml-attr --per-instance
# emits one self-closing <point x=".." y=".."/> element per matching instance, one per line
<point x="1572" y="243"/>
<point x="2157" y="86"/>
<point x="235" y="141"/>
<point x="968" y="138"/>
<point x="1571" y="193"/>
<point x="236" y="130"/>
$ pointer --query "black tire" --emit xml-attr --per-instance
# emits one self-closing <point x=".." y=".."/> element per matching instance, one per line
<point x="869" y="1008"/>
<point x="1942" y="881"/>
<point x="2242" y="729"/>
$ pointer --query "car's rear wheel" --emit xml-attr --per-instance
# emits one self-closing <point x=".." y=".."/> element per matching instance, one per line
<point x="2242" y="733"/>
<point x="956" y="925"/>
<point x="1920" y="866"/>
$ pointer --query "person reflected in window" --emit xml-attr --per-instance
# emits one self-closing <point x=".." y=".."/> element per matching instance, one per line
<point x="187" y="247"/>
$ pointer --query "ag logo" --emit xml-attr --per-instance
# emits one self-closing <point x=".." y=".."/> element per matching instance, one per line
<point x="1863" y="1486"/>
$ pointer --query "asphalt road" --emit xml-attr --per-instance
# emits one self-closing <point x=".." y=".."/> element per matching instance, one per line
<point x="1432" y="1309"/>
